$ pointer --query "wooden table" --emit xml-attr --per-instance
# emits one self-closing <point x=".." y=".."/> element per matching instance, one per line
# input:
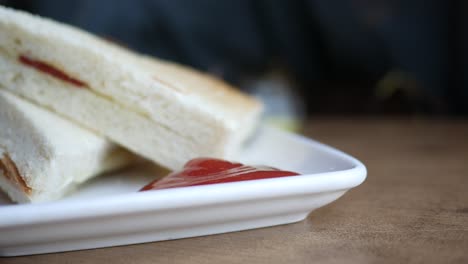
<point x="413" y="208"/>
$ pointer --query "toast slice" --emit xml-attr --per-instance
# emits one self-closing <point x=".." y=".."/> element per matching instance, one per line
<point x="165" y="112"/>
<point x="42" y="156"/>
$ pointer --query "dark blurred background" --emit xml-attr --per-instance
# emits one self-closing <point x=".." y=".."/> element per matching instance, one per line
<point x="307" y="57"/>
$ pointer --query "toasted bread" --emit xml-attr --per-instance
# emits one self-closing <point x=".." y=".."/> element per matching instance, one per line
<point x="166" y="112"/>
<point x="43" y="156"/>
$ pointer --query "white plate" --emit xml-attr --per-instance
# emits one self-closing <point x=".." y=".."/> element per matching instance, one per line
<point x="109" y="212"/>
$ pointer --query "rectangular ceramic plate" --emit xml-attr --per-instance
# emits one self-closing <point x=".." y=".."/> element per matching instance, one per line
<point x="109" y="211"/>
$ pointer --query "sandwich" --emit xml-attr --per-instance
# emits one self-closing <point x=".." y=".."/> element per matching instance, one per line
<point x="163" y="111"/>
<point x="43" y="156"/>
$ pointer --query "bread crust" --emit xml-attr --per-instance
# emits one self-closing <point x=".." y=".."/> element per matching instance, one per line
<point x="10" y="171"/>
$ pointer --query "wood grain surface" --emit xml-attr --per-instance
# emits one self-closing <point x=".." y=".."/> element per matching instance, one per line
<point x="413" y="207"/>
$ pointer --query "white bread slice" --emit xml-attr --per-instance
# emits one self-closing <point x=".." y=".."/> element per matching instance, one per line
<point x="163" y="111"/>
<point x="42" y="156"/>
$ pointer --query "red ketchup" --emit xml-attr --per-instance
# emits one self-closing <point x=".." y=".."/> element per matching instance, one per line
<point x="51" y="70"/>
<point x="203" y="171"/>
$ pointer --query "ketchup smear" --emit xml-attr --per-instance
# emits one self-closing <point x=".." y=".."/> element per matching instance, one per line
<point x="51" y="70"/>
<point x="203" y="171"/>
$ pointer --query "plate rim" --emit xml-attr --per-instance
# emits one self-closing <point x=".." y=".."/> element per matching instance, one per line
<point x="26" y="214"/>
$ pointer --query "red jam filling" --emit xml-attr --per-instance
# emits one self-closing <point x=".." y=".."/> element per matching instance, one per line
<point x="51" y="70"/>
<point x="203" y="171"/>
